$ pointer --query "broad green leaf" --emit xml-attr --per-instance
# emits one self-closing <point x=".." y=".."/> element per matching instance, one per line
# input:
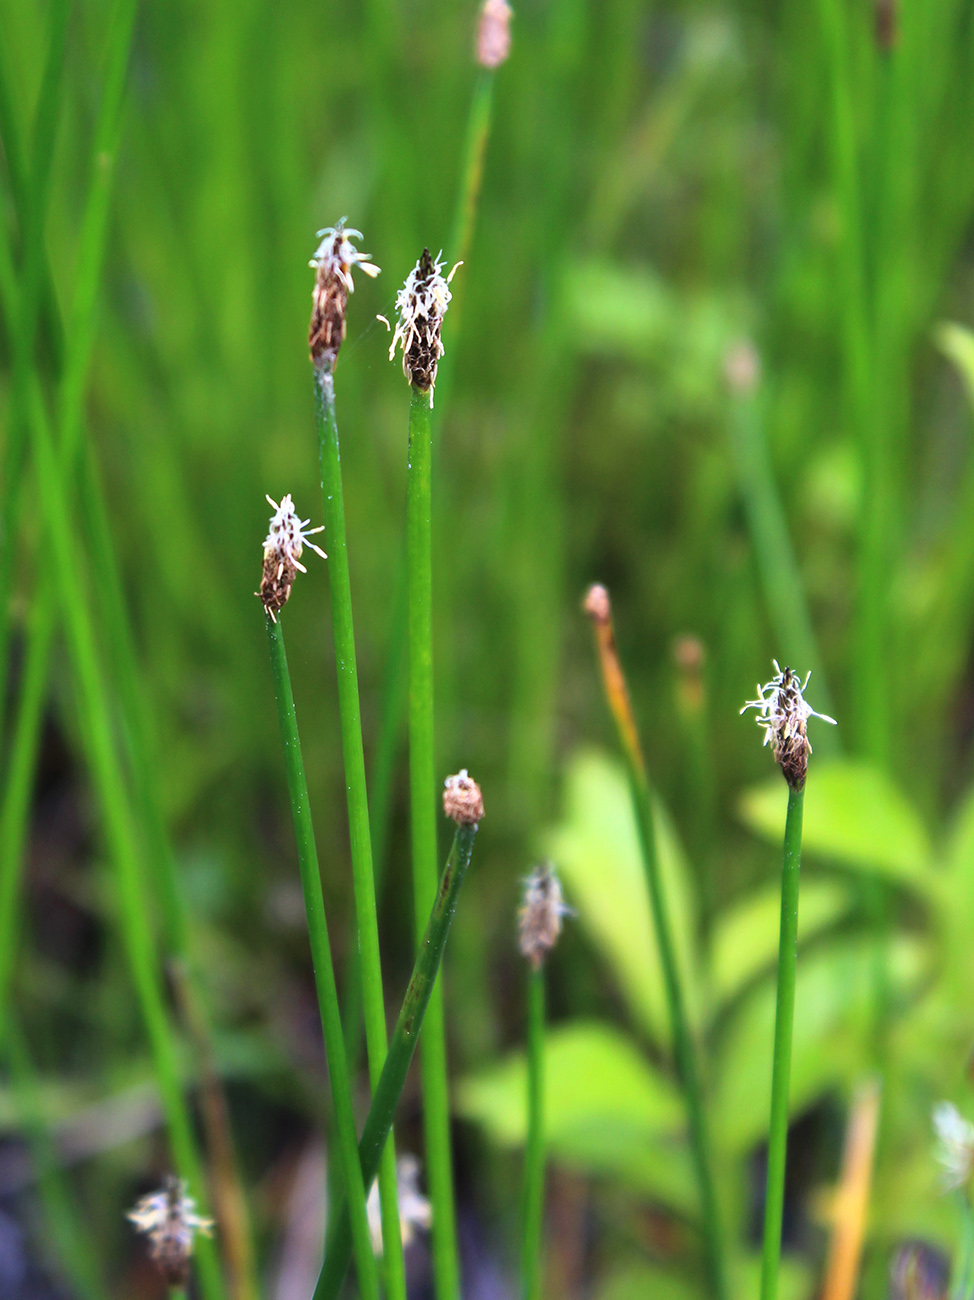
<point x="596" y="850"/>
<point x="745" y="938"/>
<point x="834" y="1005"/>
<point x="854" y="814"/>
<point x="607" y="1110"/>
<point x="957" y="343"/>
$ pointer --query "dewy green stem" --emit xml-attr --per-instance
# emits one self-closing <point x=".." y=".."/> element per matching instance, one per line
<point x="405" y="1036"/>
<point x="783" y="1026"/>
<point x="331" y="1024"/>
<point x="353" y="753"/>
<point x="422" y="803"/>
<point x="534" y="1156"/>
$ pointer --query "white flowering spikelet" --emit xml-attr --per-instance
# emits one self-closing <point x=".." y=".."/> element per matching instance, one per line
<point x="334" y="260"/>
<point x="286" y="538"/>
<point x="783" y="714"/>
<point x="540" y="915"/>
<point x="955" y="1145"/>
<point x="421" y="305"/>
<point x="415" y="1210"/>
<point x="169" y="1220"/>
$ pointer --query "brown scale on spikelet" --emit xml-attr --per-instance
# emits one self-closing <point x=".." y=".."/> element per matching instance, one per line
<point x="169" y="1220"/>
<point x="421" y="305"/>
<point x="540" y="915"/>
<point x="783" y="714"/>
<point x="333" y="263"/>
<point x="462" y="800"/>
<point x="286" y="539"/>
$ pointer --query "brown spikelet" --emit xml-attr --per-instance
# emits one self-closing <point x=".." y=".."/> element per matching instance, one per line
<point x="462" y="800"/>
<point x="276" y="582"/>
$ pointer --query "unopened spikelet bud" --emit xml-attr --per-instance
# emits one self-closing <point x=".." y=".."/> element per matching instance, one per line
<point x="333" y="262"/>
<point x="462" y="801"/>
<point x="494" y="33"/>
<point x="783" y="715"/>
<point x="540" y="916"/>
<point x="420" y="306"/>
<point x="169" y="1220"/>
<point x="286" y="538"/>
<point x="597" y="605"/>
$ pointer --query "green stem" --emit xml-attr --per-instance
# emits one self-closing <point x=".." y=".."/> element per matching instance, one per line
<point x="401" y="1048"/>
<point x="119" y="824"/>
<point x="534" y="1152"/>
<point x="617" y="695"/>
<point x="783" y="1026"/>
<point x="422" y="803"/>
<point x="33" y="220"/>
<point x="373" y="1005"/>
<point x="781" y="579"/>
<point x="324" y="972"/>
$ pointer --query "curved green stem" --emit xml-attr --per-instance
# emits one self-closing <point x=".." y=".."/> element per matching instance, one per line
<point x="617" y="695"/>
<point x="783" y="1027"/>
<point x="401" y="1048"/>
<point x="314" y="905"/>
<point x="534" y="1151"/>
<point x="373" y="1005"/>
<point x="422" y="803"/>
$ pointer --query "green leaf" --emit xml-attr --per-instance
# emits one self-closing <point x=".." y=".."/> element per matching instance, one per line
<point x="639" y="1281"/>
<point x="596" y="850"/>
<point x="957" y="343"/>
<point x="854" y="814"/>
<point x="745" y="938"/>
<point x="607" y="1110"/>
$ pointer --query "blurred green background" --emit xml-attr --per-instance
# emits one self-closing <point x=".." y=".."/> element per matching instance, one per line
<point x="707" y="348"/>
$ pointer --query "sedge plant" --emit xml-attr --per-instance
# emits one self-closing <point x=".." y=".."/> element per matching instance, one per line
<point x="464" y="805"/>
<point x="539" y="924"/>
<point x="598" y="607"/>
<point x="421" y="305"/>
<point x="334" y="261"/>
<point x="783" y="715"/>
<point x="283" y="547"/>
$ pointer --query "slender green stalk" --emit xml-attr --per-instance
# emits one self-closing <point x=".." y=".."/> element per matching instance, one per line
<point x="617" y="695"/>
<point x="962" y="1273"/>
<point x="534" y="1151"/>
<point x="119" y="825"/>
<point x="331" y="1023"/>
<point x="33" y="221"/>
<point x="415" y="1007"/>
<point x="871" y="662"/>
<point x="784" y="591"/>
<point x="422" y="803"/>
<point x="783" y="1026"/>
<point x="373" y="1005"/>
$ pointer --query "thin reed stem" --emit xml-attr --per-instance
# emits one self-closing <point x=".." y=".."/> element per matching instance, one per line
<point x="119" y="824"/>
<point x="617" y="694"/>
<point x="534" y="1156"/>
<point x="783" y="1027"/>
<point x="415" y="1007"/>
<point x="781" y="579"/>
<point x="353" y="753"/>
<point x="34" y="188"/>
<point x="422" y="803"/>
<point x="331" y="1025"/>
